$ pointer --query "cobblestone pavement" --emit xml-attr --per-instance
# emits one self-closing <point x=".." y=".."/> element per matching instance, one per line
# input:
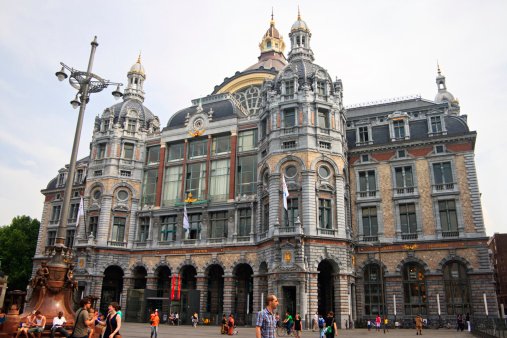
<point x="135" y="330"/>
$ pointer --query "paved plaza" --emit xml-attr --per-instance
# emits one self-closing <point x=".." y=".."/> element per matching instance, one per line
<point x="134" y="330"/>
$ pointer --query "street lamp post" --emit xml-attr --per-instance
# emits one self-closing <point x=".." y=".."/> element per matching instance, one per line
<point x="86" y="83"/>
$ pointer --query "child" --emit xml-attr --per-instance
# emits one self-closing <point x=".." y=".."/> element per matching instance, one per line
<point x="369" y="325"/>
<point x="91" y="327"/>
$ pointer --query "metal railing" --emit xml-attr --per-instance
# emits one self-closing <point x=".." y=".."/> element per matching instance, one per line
<point x="370" y="238"/>
<point x="489" y="327"/>
<point x="115" y="243"/>
<point x="408" y="236"/>
<point x="447" y="234"/>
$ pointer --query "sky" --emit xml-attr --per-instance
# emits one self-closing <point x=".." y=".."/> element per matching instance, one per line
<point x="380" y="50"/>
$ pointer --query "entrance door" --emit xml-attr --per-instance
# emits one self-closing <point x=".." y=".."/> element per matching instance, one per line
<point x="290" y="299"/>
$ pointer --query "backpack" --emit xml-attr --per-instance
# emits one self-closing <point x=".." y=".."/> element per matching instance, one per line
<point x="321" y="323"/>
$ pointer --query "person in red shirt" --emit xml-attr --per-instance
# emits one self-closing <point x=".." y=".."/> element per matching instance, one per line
<point x="230" y="323"/>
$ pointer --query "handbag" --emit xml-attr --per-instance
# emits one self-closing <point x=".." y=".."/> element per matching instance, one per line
<point x="329" y="329"/>
<point x="118" y="335"/>
<point x="77" y="317"/>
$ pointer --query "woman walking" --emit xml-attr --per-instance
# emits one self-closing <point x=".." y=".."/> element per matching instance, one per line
<point x="297" y="325"/>
<point x="330" y="323"/>
<point x="113" y="321"/>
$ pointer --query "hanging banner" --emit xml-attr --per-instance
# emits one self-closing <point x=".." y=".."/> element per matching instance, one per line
<point x="172" y="287"/>
<point x="179" y="285"/>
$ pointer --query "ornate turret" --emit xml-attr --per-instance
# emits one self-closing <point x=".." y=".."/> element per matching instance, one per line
<point x="300" y="41"/>
<point x="272" y="41"/>
<point x="136" y="77"/>
<point x="443" y="94"/>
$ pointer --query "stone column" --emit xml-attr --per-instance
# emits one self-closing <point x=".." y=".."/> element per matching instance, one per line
<point x="309" y="216"/>
<point x="313" y="294"/>
<point x="274" y="200"/>
<point x="257" y="291"/>
<point x="340" y="207"/>
<point x="341" y="300"/>
<point x="229" y="293"/>
<point x="151" y="282"/>
<point x="202" y="285"/>
<point x="128" y="283"/>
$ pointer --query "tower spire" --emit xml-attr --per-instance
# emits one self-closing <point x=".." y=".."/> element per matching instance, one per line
<point x="299" y="14"/>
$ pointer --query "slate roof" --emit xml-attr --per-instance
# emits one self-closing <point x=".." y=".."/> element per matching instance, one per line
<point x="121" y="109"/>
<point x="221" y="109"/>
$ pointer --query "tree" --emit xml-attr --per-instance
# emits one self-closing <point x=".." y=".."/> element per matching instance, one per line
<point x="19" y="240"/>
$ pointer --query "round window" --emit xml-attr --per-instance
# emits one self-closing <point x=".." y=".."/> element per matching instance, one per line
<point x="324" y="171"/>
<point x="123" y="195"/>
<point x="291" y="171"/>
<point x="97" y="194"/>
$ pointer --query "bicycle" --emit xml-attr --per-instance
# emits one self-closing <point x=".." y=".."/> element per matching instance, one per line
<point x="282" y="331"/>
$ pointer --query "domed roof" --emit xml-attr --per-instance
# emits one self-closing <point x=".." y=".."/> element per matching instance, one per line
<point x="272" y="31"/>
<point x="305" y="69"/>
<point x="222" y="108"/>
<point x="299" y="24"/>
<point x="137" y="67"/>
<point x="120" y="111"/>
<point x="444" y="96"/>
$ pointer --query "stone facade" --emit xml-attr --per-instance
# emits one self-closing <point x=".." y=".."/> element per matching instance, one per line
<point x="390" y="184"/>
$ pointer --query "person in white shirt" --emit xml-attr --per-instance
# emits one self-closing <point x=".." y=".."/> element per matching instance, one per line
<point x="58" y="323"/>
<point x="315" y="321"/>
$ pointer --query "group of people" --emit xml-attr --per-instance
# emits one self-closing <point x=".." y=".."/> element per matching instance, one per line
<point x="267" y="321"/>
<point x="377" y="324"/>
<point x="461" y="320"/>
<point x="322" y="324"/>
<point x="173" y="318"/>
<point x="227" y="325"/>
<point x="86" y="319"/>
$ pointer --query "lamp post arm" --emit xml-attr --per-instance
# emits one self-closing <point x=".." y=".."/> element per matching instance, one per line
<point x="62" y="227"/>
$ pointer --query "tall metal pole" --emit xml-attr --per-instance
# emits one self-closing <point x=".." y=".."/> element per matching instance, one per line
<point x="382" y="288"/>
<point x="57" y="259"/>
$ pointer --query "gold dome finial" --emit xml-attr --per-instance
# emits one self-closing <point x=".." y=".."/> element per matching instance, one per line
<point x="299" y="14"/>
<point x="139" y="58"/>
<point x="272" y="20"/>
<point x="438" y="67"/>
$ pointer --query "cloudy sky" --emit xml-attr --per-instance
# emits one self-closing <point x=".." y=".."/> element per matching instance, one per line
<point x="380" y="49"/>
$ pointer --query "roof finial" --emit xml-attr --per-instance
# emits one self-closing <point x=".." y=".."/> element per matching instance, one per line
<point x="438" y="66"/>
<point x="139" y="58"/>
<point x="272" y="20"/>
<point x="299" y="14"/>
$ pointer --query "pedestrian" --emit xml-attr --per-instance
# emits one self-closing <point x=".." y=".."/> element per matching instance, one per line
<point x="171" y="318"/>
<point x="297" y="326"/>
<point x="195" y="319"/>
<point x="378" y="323"/>
<point x="386" y="323"/>
<point x="176" y="318"/>
<point x="91" y="327"/>
<point x="289" y="322"/>
<point x="266" y="322"/>
<point x="469" y="323"/>
<point x="82" y="319"/>
<point x="119" y="311"/>
<point x="458" y="323"/>
<point x="39" y="324"/>
<point x="224" y="324"/>
<point x="330" y="330"/>
<point x="369" y="324"/>
<point x="154" y="321"/>
<point x="230" y="324"/>
<point x="315" y="321"/>
<point x="322" y="325"/>
<point x="463" y="322"/>
<point x="418" y="324"/>
<point x="277" y="318"/>
<point x="113" y="321"/>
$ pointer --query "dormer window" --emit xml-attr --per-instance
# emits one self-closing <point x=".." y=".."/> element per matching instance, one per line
<point x="399" y="128"/>
<point x="321" y="88"/>
<point x="363" y="135"/>
<point x="61" y="179"/>
<point x="289" y="87"/>
<point x="131" y="125"/>
<point x="268" y="45"/>
<point x="323" y="118"/>
<point x="105" y="125"/>
<point x="436" y="124"/>
<point x="79" y="176"/>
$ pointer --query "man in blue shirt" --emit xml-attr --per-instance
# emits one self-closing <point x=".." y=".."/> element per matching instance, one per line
<point x="266" y="322"/>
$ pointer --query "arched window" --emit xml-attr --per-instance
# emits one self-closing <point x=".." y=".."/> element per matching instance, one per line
<point x="372" y="290"/>
<point x="457" y="290"/>
<point x="414" y="289"/>
<point x="269" y="45"/>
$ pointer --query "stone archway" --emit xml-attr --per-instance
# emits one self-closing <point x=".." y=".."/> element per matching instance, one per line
<point x="243" y="274"/>
<point x="215" y="290"/>
<point x="112" y="286"/>
<point x="325" y="286"/>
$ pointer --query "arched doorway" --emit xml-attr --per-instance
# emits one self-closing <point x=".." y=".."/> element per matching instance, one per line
<point x="325" y="284"/>
<point x="414" y="289"/>
<point x="112" y="286"/>
<point x="244" y="293"/>
<point x="457" y="289"/>
<point x="136" y="297"/>
<point x="140" y="278"/>
<point x="215" y="297"/>
<point x="189" y="301"/>
<point x="163" y="303"/>
<point x="372" y="291"/>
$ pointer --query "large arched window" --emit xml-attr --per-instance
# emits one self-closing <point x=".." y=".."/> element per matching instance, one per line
<point x="372" y="290"/>
<point x="457" y="291"/>
<point x="249" y="97"/>
<point x="414" y="289"/>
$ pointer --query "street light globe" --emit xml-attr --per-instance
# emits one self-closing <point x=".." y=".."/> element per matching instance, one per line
<point x="61" y="75"/>
<point x="75" y="103"/>
<point x="117" y="94"/>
